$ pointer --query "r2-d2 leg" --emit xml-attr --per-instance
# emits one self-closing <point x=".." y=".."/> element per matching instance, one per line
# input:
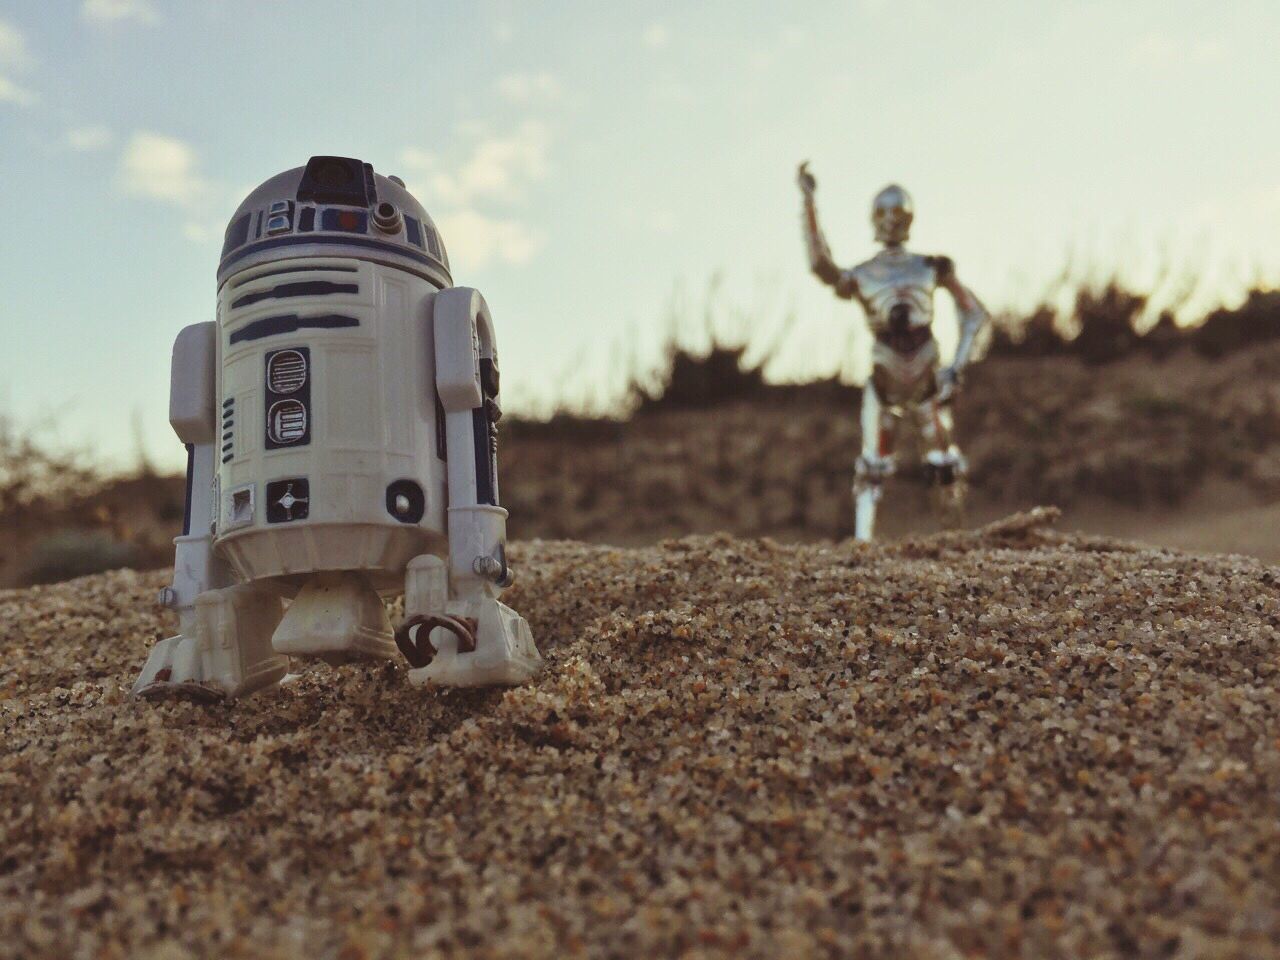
<point x="223" y="647"/>
<point x="456" y="632"/>
<point x="875" y="465"/>
<point x="945" y="466"/>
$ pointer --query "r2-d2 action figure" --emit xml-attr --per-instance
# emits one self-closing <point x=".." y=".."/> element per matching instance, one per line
<point x="895" y="288"/>
<point x="339" y="418"/>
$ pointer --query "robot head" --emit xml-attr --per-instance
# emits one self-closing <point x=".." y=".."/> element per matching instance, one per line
<point x="891" y="214"/>
<point x="334" y="206"/>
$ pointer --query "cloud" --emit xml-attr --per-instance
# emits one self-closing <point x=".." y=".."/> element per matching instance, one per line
<point x="162" y="168"/>
<point x="465" y="196"/>
<point x="167" y="170"/>
<point x="13" y="47"/>
<point x="11" y="92"/>
<point x="88" y="139"/>
<point x="115" y="11"/>
<point x="203" y="231"/>
<point x="475" y="240"/>
<point x="499" y="167"/>
<point x="14" y="58"/>
<point x="655" y="36"/>
<point x="525" y="88"/>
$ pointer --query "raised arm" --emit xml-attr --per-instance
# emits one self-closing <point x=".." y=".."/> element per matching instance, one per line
<point x="820" y="260"/>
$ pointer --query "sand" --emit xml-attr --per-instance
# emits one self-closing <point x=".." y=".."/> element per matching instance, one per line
<point x="1012" y="743"/>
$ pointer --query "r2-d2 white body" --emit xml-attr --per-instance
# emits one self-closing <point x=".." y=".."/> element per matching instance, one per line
<point x="340" y="420"/>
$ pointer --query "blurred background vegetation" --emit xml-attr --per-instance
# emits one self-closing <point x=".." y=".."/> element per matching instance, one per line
<point x="1134" y="424"/>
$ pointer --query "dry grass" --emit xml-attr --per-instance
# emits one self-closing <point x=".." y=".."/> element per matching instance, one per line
<point x="1002" y="744"/>
<point x="779" y="461"/>
<point x="1087" y="408"/>
<point x="1050" y="430"/>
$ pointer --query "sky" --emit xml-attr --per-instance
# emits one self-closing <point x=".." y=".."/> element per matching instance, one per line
<point x="603" y="171"/>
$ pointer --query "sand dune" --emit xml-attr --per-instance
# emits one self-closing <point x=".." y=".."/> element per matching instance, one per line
<point x="1009" y="743"/>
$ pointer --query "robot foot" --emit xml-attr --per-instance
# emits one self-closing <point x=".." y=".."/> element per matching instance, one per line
<point x="948" y="504"/>
<point x="223" y="651"/>
<point x="945" y="472"/>
<point x="336" y="617"/>
<point x="477" y="643"/>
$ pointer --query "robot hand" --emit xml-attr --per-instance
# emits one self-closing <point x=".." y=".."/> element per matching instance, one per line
<point x="807" y="181"/>
<point x="948" y="383"/>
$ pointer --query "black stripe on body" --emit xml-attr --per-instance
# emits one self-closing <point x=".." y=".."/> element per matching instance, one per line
<point x="290" y="323"/>
<point x="303" y="288"/>
<point x="287" y="270"/>
<point x="191" y="476"/>
<point x="486" y="488"/>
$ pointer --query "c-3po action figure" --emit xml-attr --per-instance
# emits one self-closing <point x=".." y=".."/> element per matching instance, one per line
<point x="895" y="288"/>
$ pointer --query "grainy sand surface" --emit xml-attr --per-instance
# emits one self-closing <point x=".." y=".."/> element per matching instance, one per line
<point x="1012" y="743"/>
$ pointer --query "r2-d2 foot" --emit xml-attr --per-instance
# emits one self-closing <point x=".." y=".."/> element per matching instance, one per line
<point x="224" y="649"/>
<point x="471" y="641"/>
<point x="475" y="644"/>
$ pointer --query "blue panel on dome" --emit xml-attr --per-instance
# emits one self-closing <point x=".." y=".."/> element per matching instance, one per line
<point x="413" y="230"/>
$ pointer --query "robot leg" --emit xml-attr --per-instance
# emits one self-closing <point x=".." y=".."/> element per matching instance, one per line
<point x="337" y="617"/>
<point x="223" y="647"/>
<point x="874" y="465"/>
<point x="456" y="632"/>
<point x="461" y="635"/>
<point x="945" y="466"/>
<point x="223" y="650"/>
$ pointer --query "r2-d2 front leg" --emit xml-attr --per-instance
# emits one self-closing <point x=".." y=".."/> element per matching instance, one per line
<point x="456" y="632"/>
<point x="223" y="644"/>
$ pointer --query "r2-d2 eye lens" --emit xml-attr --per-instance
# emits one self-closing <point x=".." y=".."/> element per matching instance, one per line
<point x="287" y="371"/>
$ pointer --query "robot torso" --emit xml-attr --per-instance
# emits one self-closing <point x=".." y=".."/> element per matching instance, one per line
<point x="895" y="288"/>
<point x="331" y="442"/>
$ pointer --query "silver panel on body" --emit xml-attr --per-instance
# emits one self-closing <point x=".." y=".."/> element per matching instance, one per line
<point x="892" y="277"/>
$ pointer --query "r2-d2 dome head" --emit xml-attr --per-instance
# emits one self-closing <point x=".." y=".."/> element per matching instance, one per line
<point x="334" y="206"/>
<point x="891" y="214"/>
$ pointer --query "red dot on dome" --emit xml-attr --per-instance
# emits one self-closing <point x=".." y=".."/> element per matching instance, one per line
<point x="348" y="220"/>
